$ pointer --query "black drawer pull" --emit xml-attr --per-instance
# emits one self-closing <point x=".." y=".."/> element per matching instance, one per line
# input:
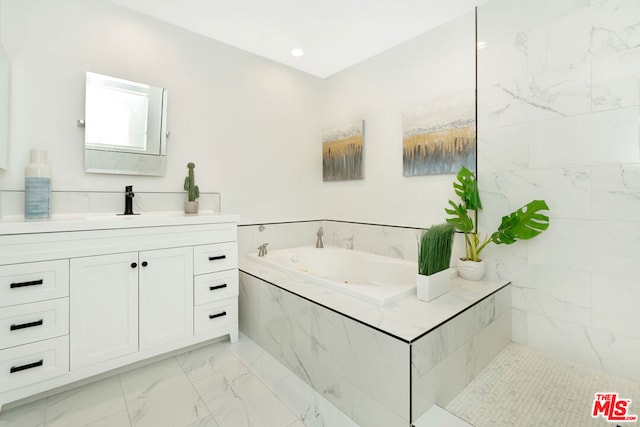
<point x="15" y="327"/>
<point x="213" y="316"/>
<point x="27" y="366"/>
<point x="23" y="284"/>
<point x="216" y="258"/>
<point x="213" y="288"/>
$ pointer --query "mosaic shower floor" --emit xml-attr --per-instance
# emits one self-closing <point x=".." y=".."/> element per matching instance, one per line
<point x="523" y="387"/>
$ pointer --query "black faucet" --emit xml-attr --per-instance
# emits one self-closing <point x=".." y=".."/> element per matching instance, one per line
<point x="128" y="200"/>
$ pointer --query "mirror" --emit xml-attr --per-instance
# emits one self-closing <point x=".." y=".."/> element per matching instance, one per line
<point x="4" y="108"/>
<point x="125" y="127"/>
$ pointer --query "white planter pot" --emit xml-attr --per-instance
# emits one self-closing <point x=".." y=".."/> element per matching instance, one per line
<point x="191" y="208"/>
<point x="431" y="287"/>
<point x="471" y="270"/>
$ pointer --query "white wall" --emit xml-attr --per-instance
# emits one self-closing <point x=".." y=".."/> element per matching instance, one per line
<point x="251" y="126"/>
<point x="437" y="64"/>
<point x="558" y="114"/>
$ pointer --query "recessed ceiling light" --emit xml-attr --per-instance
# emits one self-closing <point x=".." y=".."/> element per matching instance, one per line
<point x="297" y="52"/>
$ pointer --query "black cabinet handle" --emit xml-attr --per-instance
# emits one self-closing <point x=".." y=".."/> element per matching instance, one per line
<point x="15" y="327"/>
<point x="213" y="316"/>
<point x="27" y="366"/>
<point x="134" y="265"/>
<point x="145" y="263"/>
<point x="23" y="284"/>
<point x="216" y="258"/>
<point x="213" y="288"/>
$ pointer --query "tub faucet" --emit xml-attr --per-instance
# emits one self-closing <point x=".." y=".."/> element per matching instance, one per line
<point x="319" y="233"/>
<point x="128" y="200"/>
<point x="262" y="249"/>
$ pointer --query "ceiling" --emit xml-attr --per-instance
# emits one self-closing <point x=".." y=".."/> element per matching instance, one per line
<point x="334" y="34"/>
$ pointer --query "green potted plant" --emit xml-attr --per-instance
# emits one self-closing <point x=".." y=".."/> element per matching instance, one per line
<point x="434" y="259"/>
<point x="191" y="206"/>
<point x="522" y="224"/>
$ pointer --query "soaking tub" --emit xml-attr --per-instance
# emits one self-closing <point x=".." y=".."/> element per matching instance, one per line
<point x="372" y="278"/>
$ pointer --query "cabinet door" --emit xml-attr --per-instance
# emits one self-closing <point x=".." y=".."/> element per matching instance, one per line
<point x="104" y="308"/>
<point x="166" y="296"/>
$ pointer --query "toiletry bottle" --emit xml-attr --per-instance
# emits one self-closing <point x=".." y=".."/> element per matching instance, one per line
<point x="37" y="186"/>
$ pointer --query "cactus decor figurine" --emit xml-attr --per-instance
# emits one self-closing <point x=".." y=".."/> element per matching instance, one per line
<point x="191" y="206"/>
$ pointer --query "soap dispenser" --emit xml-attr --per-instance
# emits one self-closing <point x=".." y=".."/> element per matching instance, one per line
<point x="37" y="186"/>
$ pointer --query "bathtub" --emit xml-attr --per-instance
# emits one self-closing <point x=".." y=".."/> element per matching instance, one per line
<point x="372" y="278"/>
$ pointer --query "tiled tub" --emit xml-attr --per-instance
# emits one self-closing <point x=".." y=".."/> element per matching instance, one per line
<point x="381" y="366"/>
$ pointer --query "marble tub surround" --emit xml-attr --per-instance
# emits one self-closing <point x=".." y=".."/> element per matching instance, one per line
<point x="447" y="359"/>
<point x="406" y="319"/>
<point x="379" y="365"/>
<point x="362" y="372"/>
<point x="103" y="202"/>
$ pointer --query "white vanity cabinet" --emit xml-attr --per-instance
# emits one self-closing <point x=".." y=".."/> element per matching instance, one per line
<point x="166" y="296"/>
<point x="104" y="308"/>
<point x="81" y="298"/>
<point x="123" y="302"/>
<point x="34" y="322"/>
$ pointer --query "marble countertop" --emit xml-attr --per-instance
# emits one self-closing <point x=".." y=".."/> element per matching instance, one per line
<point x="103" y="221"/>
<point x="406" y="319"/>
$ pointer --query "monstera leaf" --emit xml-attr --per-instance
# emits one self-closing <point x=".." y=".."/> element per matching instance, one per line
<point x="525" y="223"/>
<point x="460" y="218"/>
<point x="467" y="189"/>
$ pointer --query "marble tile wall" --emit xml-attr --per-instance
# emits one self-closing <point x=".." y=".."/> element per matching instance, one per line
<point x="558" y="114"/>
<point x="394" y="242"/>
<point x="446" y="360"/>
<point x="100" y="202"/>
<point x="277" y="235"/>
<point x="391" y="241"/>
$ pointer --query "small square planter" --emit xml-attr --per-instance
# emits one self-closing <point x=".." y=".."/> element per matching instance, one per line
<point x="191" y="208"/>
<point x="431" y="287"/>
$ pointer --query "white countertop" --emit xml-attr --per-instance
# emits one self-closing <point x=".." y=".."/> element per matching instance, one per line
<point x="104" y="221"/>
<point x="406" y="319"/>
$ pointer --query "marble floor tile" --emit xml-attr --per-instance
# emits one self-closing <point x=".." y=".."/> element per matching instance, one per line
<point x="436" y="416"/>
<point x="246" y="350"/>
<point x="29" y="415"/>
<point x="268" y="369"/>
<point x="86" y="404"/>
<point x="121" y="419"/>
<point x="161" y="394"/>
<point x="236" y="397"/>
<point x="297" y="395"/>
<point x="218" y="385"/>
<point x="208" y="360"/>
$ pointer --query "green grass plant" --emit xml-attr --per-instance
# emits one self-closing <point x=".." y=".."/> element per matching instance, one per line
<point x="434" y="252"/>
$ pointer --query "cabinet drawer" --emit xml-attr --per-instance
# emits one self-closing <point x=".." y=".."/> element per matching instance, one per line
<point x="215" y="286"/>
<point x="25" y="323"/>
<point x="35" y="281"/>
<point x="214" y="315"/>
<point x="215" y="257"/>
<point x="31" y="363"/>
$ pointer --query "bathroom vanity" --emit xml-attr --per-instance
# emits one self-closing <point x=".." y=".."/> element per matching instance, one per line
<point x="81" y="296"/>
